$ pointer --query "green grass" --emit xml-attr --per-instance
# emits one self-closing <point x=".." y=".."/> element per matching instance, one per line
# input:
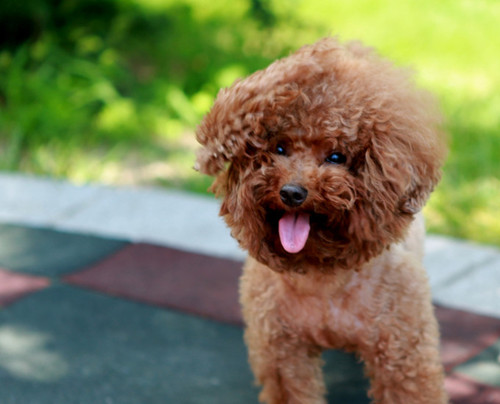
<point x="111" y="91"/>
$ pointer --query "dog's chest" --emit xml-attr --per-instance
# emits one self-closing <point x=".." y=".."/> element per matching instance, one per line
<point x="333" y="318"/>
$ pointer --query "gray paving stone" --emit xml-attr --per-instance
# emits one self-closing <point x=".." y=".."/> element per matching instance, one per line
<point x="172" y="218"/>
<point x="476" y="290"/>
<point x="39" y="201"/>
<point x="447" y="259"/>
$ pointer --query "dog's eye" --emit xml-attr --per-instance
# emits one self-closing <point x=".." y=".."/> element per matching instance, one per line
<point x="336" y="158"/>
<point x="280" y="150"/>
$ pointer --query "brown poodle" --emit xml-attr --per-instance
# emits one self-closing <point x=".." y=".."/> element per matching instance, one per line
<point x="324" y="160"/>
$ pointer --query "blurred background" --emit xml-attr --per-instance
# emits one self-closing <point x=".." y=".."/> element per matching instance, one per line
<point x="111" y="91"/>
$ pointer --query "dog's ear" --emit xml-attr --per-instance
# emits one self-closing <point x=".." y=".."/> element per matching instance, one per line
<point x="424" y="172"/>
<point x="406" y="148"/>
<point x="403" y="171"/>
<point x="216" y="137"/>
<point x="415" y="199"/>
<point x="233" y="126"/>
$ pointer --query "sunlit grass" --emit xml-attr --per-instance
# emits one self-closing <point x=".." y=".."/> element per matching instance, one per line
<point x="115" y="97"/>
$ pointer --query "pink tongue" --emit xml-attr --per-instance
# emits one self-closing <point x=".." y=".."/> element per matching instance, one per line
<point x="294" y="230"/>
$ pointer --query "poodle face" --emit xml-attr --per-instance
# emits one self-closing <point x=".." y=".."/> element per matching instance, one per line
<point x="323" y="158"/>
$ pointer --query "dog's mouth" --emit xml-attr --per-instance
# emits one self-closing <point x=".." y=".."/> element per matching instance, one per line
<point x="289" y="231"/>
<point x="293" y="229"/>
<point x="299" y="238"/>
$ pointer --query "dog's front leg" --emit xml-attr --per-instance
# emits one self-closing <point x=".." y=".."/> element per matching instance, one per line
<point x="289" y="370"/>
<point x="287" y="367"/>
<point x="404" y="366"/>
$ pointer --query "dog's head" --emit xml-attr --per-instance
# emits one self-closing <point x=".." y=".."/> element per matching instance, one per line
<point x="323" y="158"/>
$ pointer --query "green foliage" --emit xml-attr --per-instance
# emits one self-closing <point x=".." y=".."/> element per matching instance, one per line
<point x="111" y="90"/>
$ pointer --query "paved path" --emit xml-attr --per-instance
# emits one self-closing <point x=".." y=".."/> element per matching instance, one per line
<point x="463" y="275"/>
<point x="129" y="296"/>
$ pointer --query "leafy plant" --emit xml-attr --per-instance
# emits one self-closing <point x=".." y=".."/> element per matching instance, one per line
<point x="111" y="90"/>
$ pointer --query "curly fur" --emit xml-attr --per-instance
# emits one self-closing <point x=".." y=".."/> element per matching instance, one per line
<point x="358" y="283"/>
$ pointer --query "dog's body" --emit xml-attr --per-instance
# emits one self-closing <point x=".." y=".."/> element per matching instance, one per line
<point x="332" y="155"/>
<point x="290" y="317"/>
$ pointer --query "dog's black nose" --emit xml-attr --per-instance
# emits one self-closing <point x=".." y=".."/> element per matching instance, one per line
<point x="293" y="195"/>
